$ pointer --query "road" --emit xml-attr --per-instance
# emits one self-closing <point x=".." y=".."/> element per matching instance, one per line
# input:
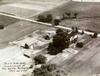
<point x="84" y="9"/>
<point x="83" y="23"/>
<point x="29" y="8"/>
<point x="86" y="62"/>
<point x="5" y="20"/>
<point x="17" y="30"/>
<point x="21" y="28"/>
<point x="12" y="32"/>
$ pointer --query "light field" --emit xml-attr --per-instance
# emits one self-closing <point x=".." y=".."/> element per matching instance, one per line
<point x="28" y="8"/>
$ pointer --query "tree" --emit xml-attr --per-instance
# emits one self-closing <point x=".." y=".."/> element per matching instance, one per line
<point x="59" y="31"/>
<point x="94" y="35"/>
<point x="49" y="18"/>
<point x="82" y="32"/>
<point x="44" y="70"/>
<point x="1" y="27"/>
<point x="53" y="50"/>
<point x="49" y="67"/>
<point x="49" y="70"/>
<point x="59" y="42"/>
<point x="68" y="14"/>
<point x="56" y="21"/>
<point x="41" y="72"/>
<point x="75" y="15"/>
<point x="79" y="44"/>
<point x="41" y="18"/>
<point x="75" y="29"/>
<point x="40" y="59"/>
<point x="73" y="32"/>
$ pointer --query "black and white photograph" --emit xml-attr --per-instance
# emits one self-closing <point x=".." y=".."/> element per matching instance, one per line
<point x="49" y="37"/>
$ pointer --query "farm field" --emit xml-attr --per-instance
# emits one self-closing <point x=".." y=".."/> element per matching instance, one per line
<point x="21" y="30"/>
<point x="88" y="14"/>
<point x="28" y="8"/>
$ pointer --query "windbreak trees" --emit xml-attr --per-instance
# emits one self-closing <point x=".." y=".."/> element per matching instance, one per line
<point x="60" y="41"/>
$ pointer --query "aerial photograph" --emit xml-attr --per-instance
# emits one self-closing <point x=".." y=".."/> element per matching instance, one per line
<point x="49" y="37"/>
